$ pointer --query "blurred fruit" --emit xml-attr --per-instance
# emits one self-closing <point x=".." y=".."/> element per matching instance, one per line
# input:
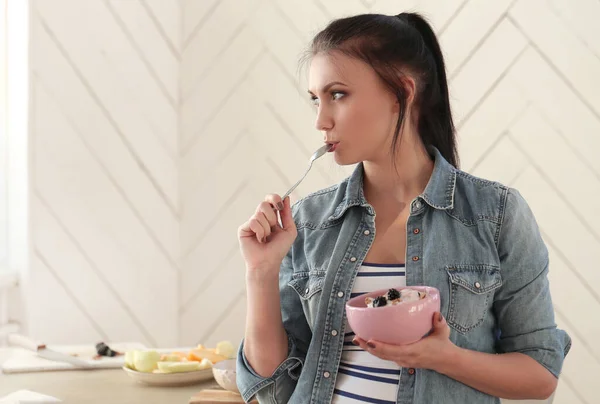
<point x="145" y="361"/>
<point x="192" y="356"/>
<point x="179" y="367"/>
<point x="129" y="359"/>
<point x="170" y="358"/>
<point x="200" y="354"/>
<point x="163" y="365"/>
<point x="205" y="364"/>
<point x="199" y="358"/>
<point x="180" y="354"/>
<point x="226" y="348"/>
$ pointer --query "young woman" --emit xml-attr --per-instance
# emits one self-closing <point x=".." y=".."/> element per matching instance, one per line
<point x="407" y="215"/>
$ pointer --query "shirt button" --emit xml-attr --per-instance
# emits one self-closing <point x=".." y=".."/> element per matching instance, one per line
<point x="367" y="232"/>
<point x="477" y="285"/>
<point x="416" y="231"/>
<point x="353" y="259"/>
<point x="411" y="371"/>
<point x="415" y="258"/>
<point x="306" y="291"/>
<point x="334" y="333"/>
<point x="326" y="375"/>
<point x="340" y="294"/>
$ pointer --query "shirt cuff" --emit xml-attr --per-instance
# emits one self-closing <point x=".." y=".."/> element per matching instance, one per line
<point x="549" y="347"/>
<point x="249" y="382"/>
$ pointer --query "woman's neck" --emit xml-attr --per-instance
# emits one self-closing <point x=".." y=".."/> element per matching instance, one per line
<point x="386" y="183"/>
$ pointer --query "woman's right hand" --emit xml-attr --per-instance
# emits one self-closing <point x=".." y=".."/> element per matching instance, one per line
<point x="263" y="242"/>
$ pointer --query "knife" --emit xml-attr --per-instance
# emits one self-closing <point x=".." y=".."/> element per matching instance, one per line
<point x="44" y="352"/>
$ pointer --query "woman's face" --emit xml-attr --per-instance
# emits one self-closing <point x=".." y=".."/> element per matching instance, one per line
<point x="355" y="110"/>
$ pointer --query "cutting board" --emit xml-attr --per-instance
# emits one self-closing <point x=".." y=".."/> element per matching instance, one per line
<point x="22" y="360"/>
<point x="218" y="397"/>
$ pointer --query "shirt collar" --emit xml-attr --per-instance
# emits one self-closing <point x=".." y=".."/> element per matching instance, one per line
<point x="439" y="192"/>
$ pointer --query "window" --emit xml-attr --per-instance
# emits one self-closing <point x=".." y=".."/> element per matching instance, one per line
<point x="14" y="137"/>
<point x="14" y="183"/>
<point x="3" y="140"/>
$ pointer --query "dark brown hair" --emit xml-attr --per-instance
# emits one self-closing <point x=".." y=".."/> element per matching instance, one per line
<point x="395" y="46"/>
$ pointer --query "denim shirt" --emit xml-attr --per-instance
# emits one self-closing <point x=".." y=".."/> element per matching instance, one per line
<point x="478" y="243"/>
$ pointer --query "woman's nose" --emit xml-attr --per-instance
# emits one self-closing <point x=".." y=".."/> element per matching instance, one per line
<point x="324" y="120"/>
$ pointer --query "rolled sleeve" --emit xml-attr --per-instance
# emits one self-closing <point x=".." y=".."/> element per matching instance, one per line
<point x="281" y="384"/>
<point x="274" y="389"/>
<point x="523" y="305"/>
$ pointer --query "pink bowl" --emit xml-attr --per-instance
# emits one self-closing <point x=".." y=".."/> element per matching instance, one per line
<point x="401" y="324"/>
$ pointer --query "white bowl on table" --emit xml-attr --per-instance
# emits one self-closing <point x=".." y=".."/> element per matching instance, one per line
<point x="224" y="374"/>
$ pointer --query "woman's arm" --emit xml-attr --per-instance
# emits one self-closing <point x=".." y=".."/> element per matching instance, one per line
<point x="529" y="340"/>
<point x="512" y="376"/>
<point x="277" y="336"/>
<point x="266" y="341"/>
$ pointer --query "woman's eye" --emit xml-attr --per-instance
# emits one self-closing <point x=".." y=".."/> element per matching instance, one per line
<point x="336" y="95"/>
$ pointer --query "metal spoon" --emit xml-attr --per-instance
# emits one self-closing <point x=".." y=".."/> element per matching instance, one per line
<point x="319" y="153"/>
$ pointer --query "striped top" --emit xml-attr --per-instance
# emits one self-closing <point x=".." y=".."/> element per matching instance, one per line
<point x="362" y="377"/>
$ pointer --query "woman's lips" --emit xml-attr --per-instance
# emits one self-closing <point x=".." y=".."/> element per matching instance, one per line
<point x="332" y="147"/>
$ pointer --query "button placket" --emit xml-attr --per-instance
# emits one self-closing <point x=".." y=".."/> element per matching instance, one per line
<point x="414" y="245"/>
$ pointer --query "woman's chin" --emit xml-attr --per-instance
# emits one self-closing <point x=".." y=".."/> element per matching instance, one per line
<point x="345" y="160"/>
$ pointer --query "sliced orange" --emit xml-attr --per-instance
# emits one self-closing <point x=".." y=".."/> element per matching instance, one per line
<point x="206" y="354"/>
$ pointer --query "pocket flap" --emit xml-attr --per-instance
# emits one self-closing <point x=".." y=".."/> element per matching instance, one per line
<point x="478" y="279"/>
<point x="306" y="284"/>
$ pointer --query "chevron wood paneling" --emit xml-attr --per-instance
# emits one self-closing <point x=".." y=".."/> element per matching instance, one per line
<point x="158" y="126"/>
<point x="105" y="180"/>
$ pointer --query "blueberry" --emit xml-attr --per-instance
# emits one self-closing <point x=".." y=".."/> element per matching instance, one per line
<point x="379" y="301"/>
<point x="393" y="294"/>
<point x="104" y="350"/>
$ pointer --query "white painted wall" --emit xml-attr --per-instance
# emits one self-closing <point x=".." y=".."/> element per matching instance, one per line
<point x="104" y="187"/>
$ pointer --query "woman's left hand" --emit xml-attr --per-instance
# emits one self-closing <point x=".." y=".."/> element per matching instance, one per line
<point x="432" y="352"/>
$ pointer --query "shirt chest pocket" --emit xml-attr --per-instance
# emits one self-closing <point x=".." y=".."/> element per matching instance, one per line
<point x="472" y="289"/>
<point x="309" y="287"/>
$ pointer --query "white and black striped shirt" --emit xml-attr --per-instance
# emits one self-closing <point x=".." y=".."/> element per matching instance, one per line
<point x="362" y="377"/>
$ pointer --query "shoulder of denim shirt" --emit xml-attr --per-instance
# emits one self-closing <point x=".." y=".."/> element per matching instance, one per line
<point x="474" y="200"/>
<point x="318" y="207"/>
<point x="481" y="187"/>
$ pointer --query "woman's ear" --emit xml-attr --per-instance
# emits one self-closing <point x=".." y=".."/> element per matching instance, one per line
<point x="410" y="87"/>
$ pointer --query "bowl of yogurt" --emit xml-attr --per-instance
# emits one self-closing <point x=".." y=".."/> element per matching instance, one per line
<point x="399" y="316"/>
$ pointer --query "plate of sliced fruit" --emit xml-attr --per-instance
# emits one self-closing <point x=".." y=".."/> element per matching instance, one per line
<point x="176" y="368"/>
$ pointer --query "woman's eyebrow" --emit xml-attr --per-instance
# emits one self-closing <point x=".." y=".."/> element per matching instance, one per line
<point x="328" y="86"/>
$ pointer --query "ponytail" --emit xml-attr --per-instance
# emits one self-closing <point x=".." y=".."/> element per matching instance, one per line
<point x="435" y="125"/>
